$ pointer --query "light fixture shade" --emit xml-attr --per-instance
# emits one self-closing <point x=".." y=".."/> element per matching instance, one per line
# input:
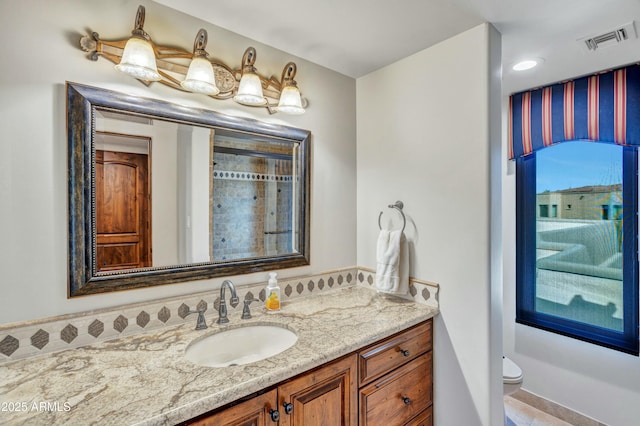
<point x="139" y="60"/>
<point x="290" y="101"/>
<point x="200" y="77"/>
<point x="250" y="90"/>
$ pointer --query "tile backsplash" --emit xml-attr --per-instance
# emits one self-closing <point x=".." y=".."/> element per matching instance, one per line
<point x="31" y="338"/>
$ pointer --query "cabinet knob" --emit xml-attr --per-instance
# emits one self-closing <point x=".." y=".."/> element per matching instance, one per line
<point x="406" y="400"/>
<point x="288" y="407"/>
<point x="405" y="352"/>
<point x="275" y="415"/>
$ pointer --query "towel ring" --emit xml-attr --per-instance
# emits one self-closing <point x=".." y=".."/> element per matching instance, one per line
<point x="398" y="205"/>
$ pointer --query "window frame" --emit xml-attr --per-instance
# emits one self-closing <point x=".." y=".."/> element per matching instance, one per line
<point x="625" y="341"/>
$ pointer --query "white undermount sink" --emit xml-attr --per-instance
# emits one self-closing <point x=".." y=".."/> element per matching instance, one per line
<point x="240" y="345"/>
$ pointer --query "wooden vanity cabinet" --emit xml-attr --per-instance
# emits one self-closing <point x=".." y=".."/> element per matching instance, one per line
<point x="396" y="379"/>
<point x="327" y="395"/>
<point x="388" y="383"/>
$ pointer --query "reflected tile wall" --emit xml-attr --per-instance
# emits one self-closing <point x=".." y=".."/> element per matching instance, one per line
<point x="249" y="200"/>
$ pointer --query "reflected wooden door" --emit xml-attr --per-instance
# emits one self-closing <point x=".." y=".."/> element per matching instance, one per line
<point x="123" y="216"/>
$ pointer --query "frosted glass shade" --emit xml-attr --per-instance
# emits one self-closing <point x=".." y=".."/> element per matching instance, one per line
<point x="138" y="60"/>
<point x="200" y="77"/>
<point x="250" y="90"/>
<point x="290" y="101"/>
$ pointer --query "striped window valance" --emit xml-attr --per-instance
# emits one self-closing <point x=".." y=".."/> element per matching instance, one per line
<point x="603" y="107"/>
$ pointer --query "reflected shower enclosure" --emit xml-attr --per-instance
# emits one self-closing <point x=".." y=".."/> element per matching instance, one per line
<point x="253" y="197"/>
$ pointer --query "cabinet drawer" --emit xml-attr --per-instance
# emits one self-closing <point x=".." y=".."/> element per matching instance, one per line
<point x="399" y="396"/>
<point x="423" y="419"/>
<point x="390" y="353"/>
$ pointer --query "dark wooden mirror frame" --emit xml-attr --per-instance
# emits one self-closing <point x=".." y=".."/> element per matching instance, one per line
<point x="83" y="279"/>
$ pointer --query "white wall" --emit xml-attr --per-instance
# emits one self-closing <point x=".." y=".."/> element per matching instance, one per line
<point x="194" y="191"/>
<point x="42" y="52"/>
<point x="601" y="383"/>
<point x="424" y="138"/>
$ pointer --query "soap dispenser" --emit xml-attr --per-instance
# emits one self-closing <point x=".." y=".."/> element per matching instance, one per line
<point x="272" y="302"/>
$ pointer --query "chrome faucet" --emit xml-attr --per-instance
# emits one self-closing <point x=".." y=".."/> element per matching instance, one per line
<point x="222" y="310"/>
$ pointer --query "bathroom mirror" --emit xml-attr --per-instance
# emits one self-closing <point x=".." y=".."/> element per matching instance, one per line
<point x="161" y="193"/>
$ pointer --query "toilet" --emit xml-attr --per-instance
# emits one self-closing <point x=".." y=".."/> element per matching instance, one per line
<point x="511" y="376"/>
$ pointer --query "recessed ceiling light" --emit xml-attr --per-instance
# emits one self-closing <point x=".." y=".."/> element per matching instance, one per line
<point x="527" y="64"/>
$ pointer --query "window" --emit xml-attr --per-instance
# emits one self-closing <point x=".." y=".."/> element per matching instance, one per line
<point x="544" y="210"/>
<point x="577" y="273"/>
<point x="617" y="212"/>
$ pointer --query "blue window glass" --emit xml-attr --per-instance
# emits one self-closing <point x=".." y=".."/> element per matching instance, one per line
<point x="577" y="265"/>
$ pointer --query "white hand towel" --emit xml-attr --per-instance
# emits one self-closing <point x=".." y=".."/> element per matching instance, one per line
<point x="392" y="263"/>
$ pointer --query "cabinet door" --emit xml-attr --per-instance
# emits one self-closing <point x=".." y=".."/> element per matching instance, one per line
<point x="253" y="412"/>
<point x="323" y="397"/>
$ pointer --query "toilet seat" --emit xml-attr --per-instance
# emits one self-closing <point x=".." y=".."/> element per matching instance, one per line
<point x="511" y="373"/>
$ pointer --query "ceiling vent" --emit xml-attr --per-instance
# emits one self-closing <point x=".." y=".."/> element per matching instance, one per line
<point x="617" y="36"/>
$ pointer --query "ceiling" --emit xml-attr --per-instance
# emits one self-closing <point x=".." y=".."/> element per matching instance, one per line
<point x="356" y="37"/>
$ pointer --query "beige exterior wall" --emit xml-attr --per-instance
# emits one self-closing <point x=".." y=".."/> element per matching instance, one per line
<point x="579" y="205"/>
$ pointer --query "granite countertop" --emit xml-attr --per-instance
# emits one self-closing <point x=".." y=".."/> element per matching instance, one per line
<point x="144" y="379"/>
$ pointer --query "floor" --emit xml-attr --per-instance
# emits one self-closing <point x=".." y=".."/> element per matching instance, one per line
<point x="521" y="414"/>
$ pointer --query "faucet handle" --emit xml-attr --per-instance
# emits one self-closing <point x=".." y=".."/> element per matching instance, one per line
<point x="246" y="313"/>
<point x="201" y="323"/>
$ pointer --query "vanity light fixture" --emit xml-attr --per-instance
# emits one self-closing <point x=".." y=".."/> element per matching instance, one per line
<point x="250" y="87"/>
<point x="141" y="58"/>
<point x="138" y="57"/>
<point x="290" y="99"/>
<point x="200" y="77"/>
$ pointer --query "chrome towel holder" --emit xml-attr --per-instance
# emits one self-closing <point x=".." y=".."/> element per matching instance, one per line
<point x="398" y="205"/>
